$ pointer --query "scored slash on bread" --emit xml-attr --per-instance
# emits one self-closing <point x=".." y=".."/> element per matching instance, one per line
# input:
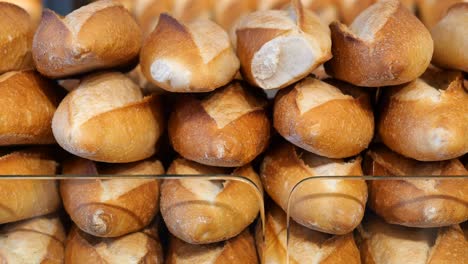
<point x="100" y="35"/>
<point x="416" y="202"/>
<point x="113" y="207"/>
<point x="338" y="205"/>
<point x="191" y="57"/>
<point x="200" y="211"/>
<point x="279" y="47"/>
<point x="385" y="45"/>
<point x="37" y="240"/>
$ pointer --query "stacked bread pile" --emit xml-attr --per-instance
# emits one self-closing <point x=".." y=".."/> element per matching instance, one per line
<point x="267" y="90"/>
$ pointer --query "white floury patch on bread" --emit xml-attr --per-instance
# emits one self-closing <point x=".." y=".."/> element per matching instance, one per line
<point x="113" y="189"/>
<point x="172" y="73"/>
<point x="418" y="90"/>
<point x="313" y="93"/>
<point x="200" y="253"/>
<point x="128" y="249"/>
<point x="322" y="166"/>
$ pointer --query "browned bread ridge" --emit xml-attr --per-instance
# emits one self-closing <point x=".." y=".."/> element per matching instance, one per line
<point x="431" y="12"/>
<point x="33" y="7"/>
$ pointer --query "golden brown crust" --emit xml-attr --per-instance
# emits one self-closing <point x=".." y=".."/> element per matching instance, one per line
<point x="16" y="38"/>
<point x="240" y="249"/>
<point x="279" y="47"/>
<point x="101" y="35"/>
<point x="385" y="45"/>
<point x="348" y="12"/>
<point x="229" y="128"/>
<point x="305" y="245"/>
<point x="37" y="240"/>
<point x="191" y="57"/>
<point x="115" y="207"/>
<point x="27" y="103"/>
<point x="202" y="211"/>
<point x="325" y="119"/>
<point x="450" y="41"/>
<point x="22" y="199"/>
<point x="124" y="127"/>
<point x="138" y="247"/>
<point x="330" y="206"/>
<point x="427" y="119"/>
<point x="227" y="12"/>
<point x="431" y="12"/>
<point x="392" y="244"/>
<point x="413" y="202"/>
<point x="33" y="7"/>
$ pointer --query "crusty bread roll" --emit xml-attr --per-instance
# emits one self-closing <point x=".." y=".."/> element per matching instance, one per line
<point x="114" y="207"/>
<point x="193" y="57"/>
<point x="33" y="7"/>
<point x="22" y="199"/>
<point x="37" y="240"/>
<point x="414" y="202"/>
<point x="349" y="10"/>
<point x="327" y="10"/>
<point x="227" y="12"/>
<point x="385" y="45"/>
<point x="279" y="47"/>
<point x="100" y="35"/>
<point x="202" y="211"/>
<point x="136" y="75"/>
<point x="229" y="128"/>
<point x="427" y="119"/>
<point x="450" y="39"/>
<point x="330" y="206"/>
<point x="107" y="119"/>
<point x="432" y="11"/>
<point x="332" y="120"/>
<point x="305" y="245"/>
<point x="391" y="244"/>
<point x="15" y="39"/>
<point x="240" y="249"/>
<point x="27" y="104"/>
<point x="139" y="247"/>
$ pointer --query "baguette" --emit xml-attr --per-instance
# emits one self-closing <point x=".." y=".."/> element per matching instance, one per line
<point x="329" y="206"/>
<point x="391" y="244"/>
<point x="37" y="240"/>
<point x="22" y="199"/>
<point x="229" y="128"/>
<point x="450" y="39"/>
<point x="332" y="120"/>
<point x="240" y="249"/>
<point x="200" y="211"/>
<point x="100" y="35"/>
<point x="191" y="57"/>
<point x="114" y="207"/>
<point x="279" y="47"/>
<point x="27" y="104"/>
<point x="139" y="247"/>
<point x="413" y="202"/>
<point x="427" y="119"/>
<point x="33" y="7"/>
<point x="108" y="119"/>
<point x="16" y="38"/>
<point x="305" y="245"/>
<point x="385" y="45"/>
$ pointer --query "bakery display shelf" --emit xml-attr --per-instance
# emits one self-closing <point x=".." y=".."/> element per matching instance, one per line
<point x="408" y="218"/>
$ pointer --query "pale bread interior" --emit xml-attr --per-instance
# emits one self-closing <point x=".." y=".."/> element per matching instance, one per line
<point x="198" y="253"/>
<point x="419" y="90"/>
<point x="128" y="249"/>
<point x="171" y="72"/>
<point x="113" y="189"/>
<point x="312" y="93"/>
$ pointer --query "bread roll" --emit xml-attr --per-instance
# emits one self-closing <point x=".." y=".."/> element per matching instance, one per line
<point x="227" y="12"/>
<point x="22" y="199"/>
<point x="240" y="249"/>
<point x="305" y="245"/>
<point x="193" y="57"/>
<point x="27" y="104"/>
<point x="392" y="244"/>
<point x="136" y="75"/>
<point x="15" y="39"/>
<point x="450" y="39"/>
<point x="327" y="10"/>
<point x="37" y="240"/>
<point x="326" y="205"/>
<point x="432" y="11"/>
<point x="349" y="10"/>
<point x="202" y="211"/>
<point x="107" y="119"/>
<point x="114" y="207"/>
<point x="279" y="47"/>
<point x="100" y="35"/>
<point x="414" y="202"/>
<point x="139" y="247"/>
<point x="385" y="45"/>
<point x="229" y="128"/>
<point x="427" y="119"/>
<point x="332" y="120"/>
<point x="33" y="7"/>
